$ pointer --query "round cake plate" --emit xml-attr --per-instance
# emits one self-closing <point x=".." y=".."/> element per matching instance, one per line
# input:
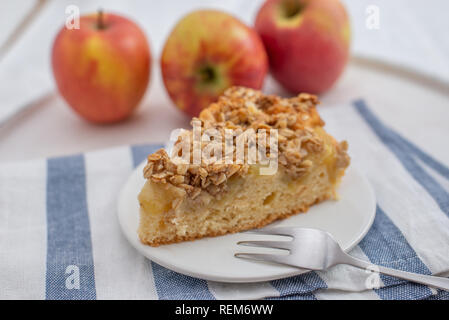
<point x="347" y="219"/>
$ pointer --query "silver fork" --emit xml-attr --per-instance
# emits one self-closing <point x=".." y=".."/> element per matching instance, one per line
<point x="314" y="249"/>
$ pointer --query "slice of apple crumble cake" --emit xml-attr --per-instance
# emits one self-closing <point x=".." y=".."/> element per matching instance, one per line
<point x="184" y="201"/>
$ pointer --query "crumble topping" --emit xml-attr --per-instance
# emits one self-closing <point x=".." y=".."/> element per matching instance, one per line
<point x="242" y="108"/>
<point x="190" y="179"/>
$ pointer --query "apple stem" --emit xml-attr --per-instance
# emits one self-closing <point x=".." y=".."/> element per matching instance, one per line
<point x="207" y="74"/>
<point x="100" y="19"/>
<point x="292" y="8"/>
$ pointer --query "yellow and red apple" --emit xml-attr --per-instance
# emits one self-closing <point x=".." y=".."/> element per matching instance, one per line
<point x="307" y="42"/>
<point x="102" y="69"/>
<point x="207" y="52"/>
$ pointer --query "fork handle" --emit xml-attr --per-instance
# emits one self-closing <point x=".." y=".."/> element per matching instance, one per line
<point x="433" y="281"/>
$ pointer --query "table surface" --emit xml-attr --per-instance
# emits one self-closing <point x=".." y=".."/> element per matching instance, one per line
<point x="410" y="45"/>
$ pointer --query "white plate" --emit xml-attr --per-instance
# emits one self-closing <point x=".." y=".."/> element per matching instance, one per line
<point x="348" y="220"/>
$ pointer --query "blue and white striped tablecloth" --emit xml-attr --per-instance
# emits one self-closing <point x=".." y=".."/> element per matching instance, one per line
<point x="60" y="238"/>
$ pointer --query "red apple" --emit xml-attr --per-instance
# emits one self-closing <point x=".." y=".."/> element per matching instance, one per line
<point x="102" y="69"/>
<point x="307" y="42"/>
<point x="207" y="52"/>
